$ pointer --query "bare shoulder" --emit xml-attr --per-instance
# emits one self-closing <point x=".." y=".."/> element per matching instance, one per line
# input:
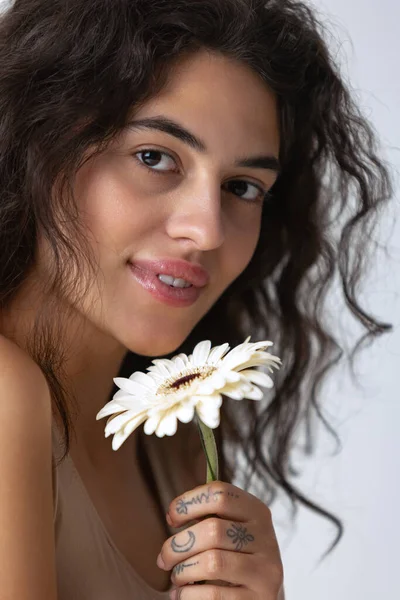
<point x="27" y="552"/>
<point x="18" y="371"/>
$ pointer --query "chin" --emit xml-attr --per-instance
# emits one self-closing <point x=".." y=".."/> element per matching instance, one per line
<point x="154" y="348"/>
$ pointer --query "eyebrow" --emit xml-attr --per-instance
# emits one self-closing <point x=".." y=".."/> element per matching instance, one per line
<point x="167" y="125"/>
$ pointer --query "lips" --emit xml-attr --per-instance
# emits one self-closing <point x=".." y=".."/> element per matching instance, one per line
<point x="194" y="274"/>
<point x="173" y="296"/>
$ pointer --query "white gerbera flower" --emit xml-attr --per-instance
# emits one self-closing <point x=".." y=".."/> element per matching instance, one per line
<point x="176" y="389"/>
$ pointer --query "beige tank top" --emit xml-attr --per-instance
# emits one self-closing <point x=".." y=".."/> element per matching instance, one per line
<point x="89" y="565"/>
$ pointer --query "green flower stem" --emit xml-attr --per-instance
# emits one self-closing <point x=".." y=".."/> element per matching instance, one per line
<point x="210" y="450"/>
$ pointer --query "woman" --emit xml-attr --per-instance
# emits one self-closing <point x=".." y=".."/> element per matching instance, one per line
<point x="213" y="141"/>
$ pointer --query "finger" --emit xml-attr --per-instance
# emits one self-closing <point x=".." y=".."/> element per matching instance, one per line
<point x="232" y="567"/>
<point x="210" y="533"/>
<point x="219" y="498"/>
<point x="194" y="592"/>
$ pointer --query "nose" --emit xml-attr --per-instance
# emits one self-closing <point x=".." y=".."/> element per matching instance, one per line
<point x="196" y="216"/>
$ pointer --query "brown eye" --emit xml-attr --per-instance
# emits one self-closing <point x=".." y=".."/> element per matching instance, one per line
<point x="152" y="159"/>
<point x="241" y="187"/>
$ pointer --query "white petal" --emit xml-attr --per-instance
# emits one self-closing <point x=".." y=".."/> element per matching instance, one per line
<point x="151" y="424"/>
<point x="122" y="404"/>
<point x="109" y="409"/>
<point x="127" y="401"/>
<point x="134" y="423"/>
<point x="168" y="425"/>
<point x="117" y="422"/>
<point x="143" y="380"/>
<point x="127" y="385"/>
<point x="185" y="413"/>
<point x="254" y="393"/>
<point x="156" y="377"/>
<point x="243" y="361"/>
<point x="214" y="400"/>
<point x="218" y="379"/>
<point x="254" y="346"/>
<point x="165" y="366"/>
<point x="200" y="353"/>
<point x="120" y="394"/>
<point x="233" y="359"/>
<point x="242" y="391"/>
<point x="258" y="377"/>
<point x="232" y="376"/>
<point x="209" y="415"/>
<point x="205" y="387"/>
<point x="159" y="368"/>
<point x="121" y="435"/>
<point x="128" y="421"/>
<point x="236" y="392"/>
<point x="118" y="439"/>
<point x="107" y="422"/>
<point x="270" y="358"/>
<point x="135" y="404"/>
<point x="181" y="362"/>
<point x="217" y="353"/>
<point x="258" y="360"/>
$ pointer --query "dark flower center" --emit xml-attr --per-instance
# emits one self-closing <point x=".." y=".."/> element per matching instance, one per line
<point x="177" y="384"/>
<point x="172" y="385"/>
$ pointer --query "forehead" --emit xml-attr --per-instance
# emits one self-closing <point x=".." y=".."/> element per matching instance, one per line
<point x="221" y="99"/>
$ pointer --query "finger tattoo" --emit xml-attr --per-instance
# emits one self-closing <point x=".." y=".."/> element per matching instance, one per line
<point x="239" y="536"/>
<point x="186" y="546"/>
<point x="179" y="568"/>
<point x="232" y="495"/>
<point x="204" y="498"/>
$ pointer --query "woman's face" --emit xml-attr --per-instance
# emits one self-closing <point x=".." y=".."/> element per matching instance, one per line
<point x="161" y="195"/>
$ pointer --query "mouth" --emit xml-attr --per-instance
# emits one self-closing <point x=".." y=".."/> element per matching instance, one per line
<point x="166" y="288"/>
<point x="179" y="273"/>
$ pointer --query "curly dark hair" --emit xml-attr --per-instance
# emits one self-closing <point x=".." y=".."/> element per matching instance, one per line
<point x="71" y="73"/>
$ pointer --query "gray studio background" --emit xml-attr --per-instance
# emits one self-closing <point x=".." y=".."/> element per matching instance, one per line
<point x="361" y="483"/>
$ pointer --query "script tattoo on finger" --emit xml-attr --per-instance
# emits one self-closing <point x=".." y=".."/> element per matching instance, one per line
<point x="182" y="566"/>
<point x="204" y="498"/>
<point x="239" y="536"/>
<point x="232" y="495"/>
<point x="186" y="546"/>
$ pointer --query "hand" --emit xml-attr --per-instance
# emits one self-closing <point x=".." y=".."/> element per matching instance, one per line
<point x="235" y="552"/>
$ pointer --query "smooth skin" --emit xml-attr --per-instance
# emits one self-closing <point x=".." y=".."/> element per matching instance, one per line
<point x="237" y="547"/>
<point x="27" y="553"/>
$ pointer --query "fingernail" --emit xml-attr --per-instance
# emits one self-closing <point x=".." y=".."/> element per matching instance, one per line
<point x="168" y="519"/>
<point x="160" y="562"/>
<point x="173" y="594"/>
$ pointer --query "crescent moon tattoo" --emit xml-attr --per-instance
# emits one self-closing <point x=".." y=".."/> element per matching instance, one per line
<point x="184" y="547"/>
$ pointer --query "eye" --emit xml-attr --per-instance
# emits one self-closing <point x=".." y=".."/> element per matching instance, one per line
<point x="152" y="159"/>
<point x="241" y="187"/>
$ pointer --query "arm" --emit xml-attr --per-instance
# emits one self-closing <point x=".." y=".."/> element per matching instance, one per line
<point x="27" y="554"/>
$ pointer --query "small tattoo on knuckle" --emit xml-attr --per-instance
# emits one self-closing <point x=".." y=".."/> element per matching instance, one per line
<point x="233" y="495"/>
<point x="239" y="535"/>
<point x="178" y="569"/>
<point x="186" y="546"/>
<point x="204" y="498"/>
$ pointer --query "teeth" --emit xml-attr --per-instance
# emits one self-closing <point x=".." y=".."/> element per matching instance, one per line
<point x="169" y="280"/>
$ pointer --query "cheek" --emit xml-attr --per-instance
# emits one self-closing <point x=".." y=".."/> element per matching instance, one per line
<point x="241" y="248"/>
<point x="110" y="214"/>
